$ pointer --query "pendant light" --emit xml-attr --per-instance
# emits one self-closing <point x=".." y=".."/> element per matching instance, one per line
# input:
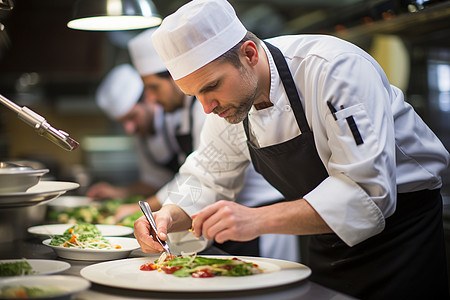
<point x="105" y="15"/>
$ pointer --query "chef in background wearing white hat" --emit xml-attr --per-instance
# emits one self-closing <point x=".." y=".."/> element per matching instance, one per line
<point x="184" y="131"/>
<point x="362" y="171"/>
<point x="119" y="95"/>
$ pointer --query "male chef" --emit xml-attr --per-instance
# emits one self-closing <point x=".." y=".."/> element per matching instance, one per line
<point x="178" y="120"/>
<point x="324" y="126"/>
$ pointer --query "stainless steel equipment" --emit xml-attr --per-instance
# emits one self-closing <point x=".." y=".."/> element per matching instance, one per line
<point x="42" y="127"/>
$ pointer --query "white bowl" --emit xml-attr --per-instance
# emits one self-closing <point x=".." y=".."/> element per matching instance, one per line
<point x="15" y="178"/>
<point x="68" y="285"/>
<point x="128" y="245"/>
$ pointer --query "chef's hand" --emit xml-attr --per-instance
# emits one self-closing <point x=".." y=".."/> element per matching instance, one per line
<point x="227" y="220"/>
<point x="143" y="235"/>
<point x="169" y="218"/>
<point x="105" y="190"/>
<point x="125" y="210"/>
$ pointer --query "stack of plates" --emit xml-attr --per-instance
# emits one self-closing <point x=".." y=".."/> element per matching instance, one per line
<point x="21" y="186"/>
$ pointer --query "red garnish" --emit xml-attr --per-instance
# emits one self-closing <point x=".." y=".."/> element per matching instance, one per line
<point x="148" y="267"/>
<point x="170" y="270"/>
<point x="203" y="273"/>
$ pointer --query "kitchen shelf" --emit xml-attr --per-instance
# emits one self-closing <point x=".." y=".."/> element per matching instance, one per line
<point x="429" y="20"/>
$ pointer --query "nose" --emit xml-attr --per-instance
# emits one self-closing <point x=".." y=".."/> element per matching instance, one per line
<point x="208" y="105"/>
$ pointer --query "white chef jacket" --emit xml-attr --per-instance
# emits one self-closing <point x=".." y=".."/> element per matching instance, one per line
<point x="399" y="152"/>
<point x="256" y="191"/>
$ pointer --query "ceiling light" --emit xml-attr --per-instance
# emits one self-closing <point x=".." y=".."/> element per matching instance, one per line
<point x="105" y="15"/>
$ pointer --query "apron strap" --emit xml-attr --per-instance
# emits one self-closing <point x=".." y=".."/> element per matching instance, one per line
<point x="289" y="87"/>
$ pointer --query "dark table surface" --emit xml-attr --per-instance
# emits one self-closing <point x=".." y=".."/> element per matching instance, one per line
<point x="31" y="248"/>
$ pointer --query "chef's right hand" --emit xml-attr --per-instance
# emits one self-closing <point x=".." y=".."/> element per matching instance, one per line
<point x="143" y="233"/>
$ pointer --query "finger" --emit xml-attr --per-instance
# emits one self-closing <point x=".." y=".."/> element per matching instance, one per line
<point x="145" y="240"/>
<point x="222" y="220"/>
<point x="162" y="223"/>
<point x="202" y="216"/>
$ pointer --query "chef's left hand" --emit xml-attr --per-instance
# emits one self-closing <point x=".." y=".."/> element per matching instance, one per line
<point x="227" y="220"/>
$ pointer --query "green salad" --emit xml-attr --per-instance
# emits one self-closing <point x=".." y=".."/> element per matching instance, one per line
<point x="83" y="235"/>
<point x="23" y="292"/>
<point x="17" y="268"/>
<point x="99" y="212"/>
<point x="201" y="267"/>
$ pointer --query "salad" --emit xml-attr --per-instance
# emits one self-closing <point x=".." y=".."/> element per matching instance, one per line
<point x="97" y="212"/>
<point x="83" y="235"/>
<point x="17" y="268"/>
<point x="201" y="267"/>
<point x="23" y="292"/>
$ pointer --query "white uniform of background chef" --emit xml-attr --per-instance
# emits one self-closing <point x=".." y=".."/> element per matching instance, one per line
<point x="119" y="93"/>
<point x="256" y="191"/>
<point x="379" y="156"/>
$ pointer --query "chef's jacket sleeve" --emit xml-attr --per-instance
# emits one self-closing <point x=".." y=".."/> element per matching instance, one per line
<point x="360" y="191"/>
<point x="213" y="172"/>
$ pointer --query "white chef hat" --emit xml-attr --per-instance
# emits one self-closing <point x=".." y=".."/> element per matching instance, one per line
<point x="119" y="91"/>
<point x="196" y="34"/>
<point x="143" y="54"/>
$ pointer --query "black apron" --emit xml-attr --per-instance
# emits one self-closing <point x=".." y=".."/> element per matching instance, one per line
<point x="184" y="141"/>
<point x="405" y="261"/>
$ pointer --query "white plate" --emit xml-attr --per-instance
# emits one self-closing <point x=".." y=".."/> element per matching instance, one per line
<point x="41" y="266"/>
<point x="41" y="193"/>
<point x="58" y="229"/>
<point x="69" y="285"/>
<point x="125" y="273"/>
<point x="128" y="245"/>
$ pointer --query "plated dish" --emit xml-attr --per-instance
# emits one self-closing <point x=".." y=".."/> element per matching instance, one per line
<point x="40" y="266"/>
<point x="127" y="245"/>
<point x="126" y="274"/>
<point x="42" y="192"/>
<point x="51" y="287"/>
<point x="56" y="229"/>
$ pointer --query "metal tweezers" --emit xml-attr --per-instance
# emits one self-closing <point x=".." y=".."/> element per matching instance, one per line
<point x="149" y="215"/>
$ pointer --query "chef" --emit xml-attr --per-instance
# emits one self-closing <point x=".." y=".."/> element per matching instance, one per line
<point x="324" y="126"/>
<point x="119" y="96"/>
<point x="179" y="122"/>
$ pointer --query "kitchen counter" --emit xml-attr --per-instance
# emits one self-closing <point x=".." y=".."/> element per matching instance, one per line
<point x="31" y="248"/>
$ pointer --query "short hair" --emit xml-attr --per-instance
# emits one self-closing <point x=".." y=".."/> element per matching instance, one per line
<point x="232" y="55"/>
<point x="164" y="74"/>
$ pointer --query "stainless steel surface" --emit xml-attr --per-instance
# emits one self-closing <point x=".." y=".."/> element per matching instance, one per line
<point x="302" y="290"/>
<point x="145" y="207"/>
<point x="42" y="127"/>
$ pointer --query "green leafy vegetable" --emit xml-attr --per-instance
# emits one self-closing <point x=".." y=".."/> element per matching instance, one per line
<point x="18" y="268"/>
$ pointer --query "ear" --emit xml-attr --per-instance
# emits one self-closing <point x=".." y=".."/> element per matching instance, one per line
<point x="249" y="51"/>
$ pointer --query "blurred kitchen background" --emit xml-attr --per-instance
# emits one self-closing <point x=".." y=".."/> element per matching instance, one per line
<point x="55" y="71"/>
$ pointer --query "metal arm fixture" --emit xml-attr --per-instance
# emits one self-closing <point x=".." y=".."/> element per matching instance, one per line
<point x="42" y="127"/>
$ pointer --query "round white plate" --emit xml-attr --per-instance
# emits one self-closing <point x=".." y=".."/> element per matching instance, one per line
<point x="58" y="229"/>
<point x="128" y="245"/>
<point x="69" y="285"/>
<point x="41" y="193"/>
<point x="125" y="273"/>
<point x="41" y="266"/>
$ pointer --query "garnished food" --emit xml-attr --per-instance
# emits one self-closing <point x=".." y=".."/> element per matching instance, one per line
<point x="83" y="235"/>
<point x="24" y="292"/>
<point x="201" y="267"/>
<point x="98" y="212"/>
<point x="17" y="268"/>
